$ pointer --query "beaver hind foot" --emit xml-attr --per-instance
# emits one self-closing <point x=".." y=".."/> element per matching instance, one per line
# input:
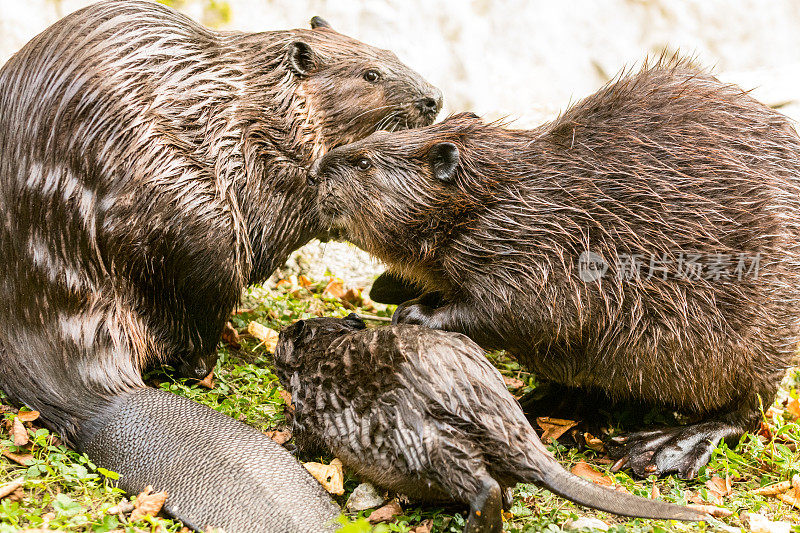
<point x="683" y="450"/>
<point x="485" y="509"/>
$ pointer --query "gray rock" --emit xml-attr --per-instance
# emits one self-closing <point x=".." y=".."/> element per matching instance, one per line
<point x="364" y="497"/>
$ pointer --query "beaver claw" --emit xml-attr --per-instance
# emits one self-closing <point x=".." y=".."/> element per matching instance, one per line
<point x="683" y="450"/>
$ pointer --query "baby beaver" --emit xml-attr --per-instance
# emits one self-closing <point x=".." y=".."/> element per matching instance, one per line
<point x="422" y="412"/>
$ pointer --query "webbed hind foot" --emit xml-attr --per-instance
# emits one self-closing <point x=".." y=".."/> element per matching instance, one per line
<point x="485" y="512"/>
<point x="683" y="450"/>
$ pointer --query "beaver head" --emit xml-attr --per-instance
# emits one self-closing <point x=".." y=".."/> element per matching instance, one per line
<point x="304" y="335"/>
<point x="351" y="89"/>
<point x="401" y="196"/>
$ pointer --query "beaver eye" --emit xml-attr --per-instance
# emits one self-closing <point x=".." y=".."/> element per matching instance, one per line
<point x="363" y="164"/>
<point x="372" y="76"/>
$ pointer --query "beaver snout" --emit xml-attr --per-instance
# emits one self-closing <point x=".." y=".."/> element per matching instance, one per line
<point x="430" y="104"/>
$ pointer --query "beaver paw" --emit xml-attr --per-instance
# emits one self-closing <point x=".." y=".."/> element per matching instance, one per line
<point x="684" y="450"/>
<point x="420" y="311"/>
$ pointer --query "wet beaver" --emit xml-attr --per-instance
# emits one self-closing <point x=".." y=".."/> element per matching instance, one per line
<point x="149" y="169"/>
<point x="423" y="412"/>
<point x="645" y="244"/>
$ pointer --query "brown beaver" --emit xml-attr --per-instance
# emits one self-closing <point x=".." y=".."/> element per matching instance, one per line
<point x="645" y="244"/>
<point x="423" y="412"/>
<point x="149" y="169"/>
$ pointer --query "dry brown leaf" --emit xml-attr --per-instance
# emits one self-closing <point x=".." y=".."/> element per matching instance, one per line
<point x="287" y="399"/>
<point x="334" y="288"/>
<point x="231" y="336"/>
<point x="330" y="476"/>
<point x="793" y="408"/>
<point x="9" y="488"/>
<point x="423" y="527"/>
<point x="22" y="459"/>
<point x="716" y="489"/>
<point x="655" y="492"/>
<point x="123" y="507"/>
<point x="148" y="502"/>
<point x="757" y="523"/>
<point x="585" y="470"/>
<point x="208" y="381"/>
<point x="28" y="416"/>
<point x="790" y="497"/>
<point x="554" y="427"/>
<point x="593" y="443"/>
<point x="353" y="296"/>
<point x="18" y="432"/>
<point x="281" y="437"/>
<point x="303" y="281"/>
<point x="269" y="337"/>
<point x="713" y="510"/>
<point x="513" y="383"/>
<point x="774" y="489"/>
<point x="385" y="513"/>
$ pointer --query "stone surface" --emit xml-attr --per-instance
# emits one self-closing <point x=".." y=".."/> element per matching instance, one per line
<point x="365" y="496"/>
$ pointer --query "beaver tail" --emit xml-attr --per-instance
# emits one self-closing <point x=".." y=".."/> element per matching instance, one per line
<point x="549" y="474"/>
<point x="217" y="471"/>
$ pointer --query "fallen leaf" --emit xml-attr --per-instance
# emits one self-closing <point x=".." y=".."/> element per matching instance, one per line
<point x="793" y="408"/>
<point x="585" y="523"/>
<point x="330" y="476"/>
<point x="513" y="383"/>
<point x="334" y="288"/>
<point x="423" y="527"/>
<point x="9" y="488"/>
<point x="593" y="443"/>
<point x="758" y="523"/>
<point x="28" y="416"/>
<point x="791" y="498"/>
<point x="22" y="459"/>
<point x="303" y="281"/>
<point x="148" y="502"/>
<point x="269" y="337"/>
<point x="774" y="489"/>
<point x="208" y="381"/>
<point x="231" y="336"/>
<point x="713" y="510"/>
<point x="385" y="513"/>
<point x="716" y="489"/>
<point x="18" y="432"/>
<point x="353" y="296"/>
<point x="281" y="437"/>
<point x="585" y="470"/>
<point x="287" y="399"/>
<point x="655" y="492"/>
<point x="554" y="427"/>
<point x="123" y="507"/>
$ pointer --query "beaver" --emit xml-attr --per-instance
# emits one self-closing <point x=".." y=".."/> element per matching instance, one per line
<point x="423" y="412"/>
<point x="150" y="168"/>
<point x="644" y="245"/>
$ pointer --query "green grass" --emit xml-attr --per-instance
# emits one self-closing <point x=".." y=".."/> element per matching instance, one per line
<point x="68" y="490"/>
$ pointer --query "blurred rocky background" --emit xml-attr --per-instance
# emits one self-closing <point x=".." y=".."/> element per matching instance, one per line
<point x="520" y="59"/>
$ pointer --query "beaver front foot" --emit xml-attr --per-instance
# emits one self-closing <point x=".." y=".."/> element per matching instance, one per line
<point x="683" y="450"/>
<point x="423" y="311"/>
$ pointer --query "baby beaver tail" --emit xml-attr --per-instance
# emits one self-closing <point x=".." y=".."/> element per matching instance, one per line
<point x="554" y="478"/>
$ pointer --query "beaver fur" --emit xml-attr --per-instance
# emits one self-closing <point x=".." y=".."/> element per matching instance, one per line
<point x="150" y="168"/>
<point x="423" y="413"/>
<point x="667" y="165"/>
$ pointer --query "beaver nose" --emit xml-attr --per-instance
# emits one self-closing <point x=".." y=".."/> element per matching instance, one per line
<point x="430" y="105"/>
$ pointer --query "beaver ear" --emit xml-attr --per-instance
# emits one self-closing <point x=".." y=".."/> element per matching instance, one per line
<point x="355" y="321"/>
<point x="443" y="159"/>
<point x="301" y="58"/>
<point x="319" y="22"/>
